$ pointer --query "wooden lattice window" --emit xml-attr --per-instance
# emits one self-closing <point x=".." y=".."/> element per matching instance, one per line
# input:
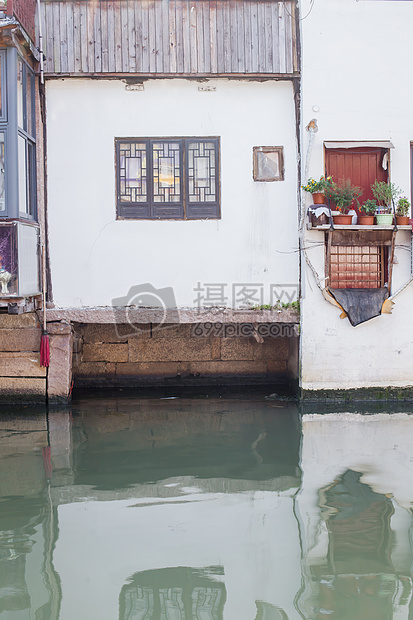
<point x="167" y="178"/>
<point x="359" y="259"/>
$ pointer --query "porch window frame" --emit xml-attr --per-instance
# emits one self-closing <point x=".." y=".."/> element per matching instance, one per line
<point x="12" y="132"/>
<point x="3" y="83"/>
<point x="411" y="173"/>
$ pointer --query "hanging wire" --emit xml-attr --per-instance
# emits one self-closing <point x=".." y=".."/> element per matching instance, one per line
<point x="298" y="250"/>
<point x="314" y="272"/>
<point x="401" y="289"/>
<point x="305" y="16"/>
<point x="311" y="8"/>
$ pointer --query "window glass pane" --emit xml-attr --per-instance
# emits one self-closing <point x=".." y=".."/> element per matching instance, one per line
<point x="20" y="102"/>
<point x="30" y="102"/>
<point x="166" y="171"/>
<point x="202" y="172"/>
<point x="31" y="176"/>
<point x="22" y="175"/>
<point x="268" y="167"/>
<point x="132" y="172"/>
<point x="8" y="260"/>
<point x="2" y="175"/>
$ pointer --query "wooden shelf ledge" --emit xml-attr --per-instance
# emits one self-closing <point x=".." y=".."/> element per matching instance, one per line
<point x="359" y="227"/>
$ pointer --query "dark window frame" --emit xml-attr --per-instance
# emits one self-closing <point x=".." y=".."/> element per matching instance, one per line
<point x="182" y="210"/>
<point x="30" y="141"/>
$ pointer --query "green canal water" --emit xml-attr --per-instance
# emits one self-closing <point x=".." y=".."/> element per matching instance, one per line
<point x="125" y="508"/>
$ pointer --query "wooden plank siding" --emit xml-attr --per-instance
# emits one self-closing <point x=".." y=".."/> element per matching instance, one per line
<point x="170" y="37"/>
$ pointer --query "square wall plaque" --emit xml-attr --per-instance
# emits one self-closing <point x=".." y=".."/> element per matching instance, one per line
<point x="268" y="163"/>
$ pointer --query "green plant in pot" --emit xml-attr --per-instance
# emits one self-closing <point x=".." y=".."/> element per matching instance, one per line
<point x="367" y="212"/>
<point x="317" y="189"/>
<point x="342" y="195"/>
<point x="386" y="194"/>
<point x="402" y="211"/>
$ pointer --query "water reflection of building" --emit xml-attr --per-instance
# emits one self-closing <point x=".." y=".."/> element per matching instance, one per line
<point x="182" y="484"/>
<point x="358" y="521"/>
<point x="354" y="508"/>
<point x="142" y="498"/>
<point x="164" y="489"/>
<point x="28" y="584"/>
<point x="179" y="593"/>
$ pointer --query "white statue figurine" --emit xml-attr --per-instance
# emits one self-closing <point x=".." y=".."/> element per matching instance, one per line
<point x="4" y="278"/>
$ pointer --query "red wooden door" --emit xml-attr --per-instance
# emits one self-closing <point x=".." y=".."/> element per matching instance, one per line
<point x="362" y="165"/>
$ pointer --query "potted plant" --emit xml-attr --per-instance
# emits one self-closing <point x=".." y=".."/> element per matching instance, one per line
<point x="402" y="211"/>
<point x="317" y="189"/>
<point x="385" y="194"/>
<point x="367" y="213"/>
<point x="342" y="194"/>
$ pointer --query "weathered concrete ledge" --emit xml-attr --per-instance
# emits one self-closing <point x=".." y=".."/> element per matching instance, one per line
<point x="134" y="314"/>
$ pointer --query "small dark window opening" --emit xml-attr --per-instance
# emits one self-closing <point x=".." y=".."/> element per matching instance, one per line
<point x="167" y="178"/>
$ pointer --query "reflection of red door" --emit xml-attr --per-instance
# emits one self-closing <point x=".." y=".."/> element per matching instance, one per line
<point x="362" y="165"/>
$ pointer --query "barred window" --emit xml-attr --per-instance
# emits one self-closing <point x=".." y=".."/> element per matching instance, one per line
<point x="358" y="266"/>
<point x="167" y="178"/>
<point x="359" y="259"/>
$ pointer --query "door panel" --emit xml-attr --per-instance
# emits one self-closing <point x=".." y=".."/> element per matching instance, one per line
<point x="362" y="165"/>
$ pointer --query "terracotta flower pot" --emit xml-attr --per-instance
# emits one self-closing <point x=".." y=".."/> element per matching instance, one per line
<point x="318" y="198"/>
<point x="341" y="219"/>
<point x="366" y="220"/>
<point x="402" y="220"/>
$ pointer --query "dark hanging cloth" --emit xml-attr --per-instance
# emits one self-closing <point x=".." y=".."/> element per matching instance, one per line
<point x="360" y="304"/>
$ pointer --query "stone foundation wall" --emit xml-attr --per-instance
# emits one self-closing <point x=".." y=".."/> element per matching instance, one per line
<point x="111" y="355"/>
<point x="59" y="375"/>
<point x="21" y="377"/>
<point x="115" y="355"/>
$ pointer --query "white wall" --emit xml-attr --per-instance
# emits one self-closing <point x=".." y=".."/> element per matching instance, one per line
<point x="95" y="258"/>
<point x="356" y="59"/>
